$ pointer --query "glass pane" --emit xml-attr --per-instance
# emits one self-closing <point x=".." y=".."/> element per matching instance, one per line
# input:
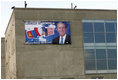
<point x="112" y="64"/>
<point x="99" y="27"/>
<point x="89" y="54"/>
<point x="87" y="27"/>
<point x="110" y="27"/>
<point x="112" y="53"/>
<point x="99" y="38"/>
<point x="88" y="38"/>
<point x="100" y="53"/>
<point x="116" y="27"/>
<point x="90" y="64"/>
<point x="110" y="37"/>
<point x="101" y="65"/>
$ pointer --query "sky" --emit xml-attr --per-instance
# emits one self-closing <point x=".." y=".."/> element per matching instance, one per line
<point x="6" y="11"/>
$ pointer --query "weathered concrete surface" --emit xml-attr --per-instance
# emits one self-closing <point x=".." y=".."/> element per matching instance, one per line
<point x="10" y="49"/>
<point x="53" y="61"/>
<point x="2" y="58"/>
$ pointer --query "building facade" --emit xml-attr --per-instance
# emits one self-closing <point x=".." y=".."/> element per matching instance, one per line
<point x="91" y="54"/>
<point x="3" y="58"/>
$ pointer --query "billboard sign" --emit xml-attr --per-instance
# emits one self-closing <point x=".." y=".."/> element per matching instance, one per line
<point x="47" y="32"/>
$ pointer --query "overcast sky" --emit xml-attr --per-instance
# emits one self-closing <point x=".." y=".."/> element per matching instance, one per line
<point x="81" y="4"/>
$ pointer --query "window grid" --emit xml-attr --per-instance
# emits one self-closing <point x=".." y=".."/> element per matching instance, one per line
<point x="116" y="32"/>
<point x="106" y="44"/>
<point x="95" y="48"/>
<point x="96" y="70"/>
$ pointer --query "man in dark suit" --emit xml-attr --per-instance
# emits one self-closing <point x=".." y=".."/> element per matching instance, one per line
<point x="63" y="38"/>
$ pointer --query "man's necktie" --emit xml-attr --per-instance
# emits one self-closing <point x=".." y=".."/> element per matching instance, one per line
<point x="61" y="40"/>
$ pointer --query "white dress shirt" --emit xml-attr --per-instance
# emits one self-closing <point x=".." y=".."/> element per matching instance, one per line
<point x="64" y="37"/>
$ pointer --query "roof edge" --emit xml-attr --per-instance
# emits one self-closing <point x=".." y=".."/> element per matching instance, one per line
<point x="9" y="21"/>
<point x="18" y="8"/>
<point x="2" y="37"/>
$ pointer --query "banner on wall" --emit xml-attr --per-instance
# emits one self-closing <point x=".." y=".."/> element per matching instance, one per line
<point x="47" y="32"/>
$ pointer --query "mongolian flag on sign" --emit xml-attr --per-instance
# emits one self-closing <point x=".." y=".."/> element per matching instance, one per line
<point x="29" y="33"/>
<point x="36" y="30"/>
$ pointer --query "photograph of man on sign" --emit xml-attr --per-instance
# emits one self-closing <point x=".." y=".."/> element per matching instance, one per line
<point x="63" y="38"/>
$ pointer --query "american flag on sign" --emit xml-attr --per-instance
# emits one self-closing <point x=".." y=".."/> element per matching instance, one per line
<point x="43" y="33"/>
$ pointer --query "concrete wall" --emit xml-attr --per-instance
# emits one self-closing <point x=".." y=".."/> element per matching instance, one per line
<point x="53" y="61"/>
<point x="10" y="49"/>
<point x="105" y="76"/>
<point x="2" y="58"/>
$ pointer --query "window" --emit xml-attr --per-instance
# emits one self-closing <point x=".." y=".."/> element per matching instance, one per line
<point x="87" y="27"/>
<point x="100" y="53"/>
<point x="89" y="54"/>
<point x="110" y="27"/>
<point x="99" y="37"/>
<point x="88" y="38"/>
<point x="112" y="53"/>
<point x="99" y="27"/>
<point x="110" y="37"/>
<point x="116" y="27"/>
<point x="101" y="65"/>
<point x="90" y="64"/>
<point x="112" y="64"/>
